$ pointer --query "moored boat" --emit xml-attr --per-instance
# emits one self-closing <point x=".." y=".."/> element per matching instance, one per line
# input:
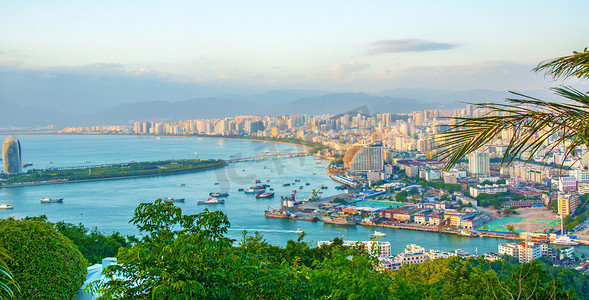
<point x="5" y="206"/>
<point x="217" y="195"/>
<point x="303" y="217"/>
<point x="49" y="200"/>
<point x="254" y="191"/>
<point x="276" y="214"/>
<point x="211" y="201"/>
<point x="378" y="234"/>
<point x="338" y="220"/>
<point x="265" y="195"/>
<point x="170" y="199"/>
<point x="564" y="240"/>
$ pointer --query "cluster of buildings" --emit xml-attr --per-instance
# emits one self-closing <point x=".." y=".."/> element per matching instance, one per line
<point x="524" y="252"/>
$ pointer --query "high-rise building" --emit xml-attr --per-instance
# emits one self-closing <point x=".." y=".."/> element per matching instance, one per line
<point x="479" y="164"/>
<point x="361" y="158"/>
<point x="11" y="155"/>
<point x="567" y="204"/>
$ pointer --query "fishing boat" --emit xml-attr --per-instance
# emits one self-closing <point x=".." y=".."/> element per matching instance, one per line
<point x="254" y="191"/>
<point x="378" y="234"/>
<point x="286" y="184"/>
<point x="49" y="200"/>
<point x="265" y="195"/>
<point x="170" y="199"/>
<point x="5" y="206"/>
<point x="338" y="220"/>
<point x="212" y="201"/>
<point x="218" y="195"/>
<point x="303" y="217"/>
<point x="275" y="213"/>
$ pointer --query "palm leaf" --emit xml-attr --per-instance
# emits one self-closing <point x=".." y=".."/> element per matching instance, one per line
<point x="532" y="121"/>
<point x="575" y="65"/>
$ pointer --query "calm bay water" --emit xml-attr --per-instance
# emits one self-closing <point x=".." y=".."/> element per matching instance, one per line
<point x="109" y="205"/>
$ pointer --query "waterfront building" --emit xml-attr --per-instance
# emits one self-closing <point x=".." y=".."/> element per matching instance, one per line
<point x="11" y="155"/>
<point x="412" y="258"/>
<point x="528" y="252"/>
<point x="421" y="219"/>
<point x="479" y="163"/>
<point x="362" y="158"/>
<point x="567" y="204"/>
<point x="391" y="263"/>
<point x="435" y="219"/>
<point x="510" y="249"/>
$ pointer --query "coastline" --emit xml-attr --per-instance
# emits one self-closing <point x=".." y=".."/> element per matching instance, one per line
<point x="168" y="135"/>
<point x="113" y="178"/>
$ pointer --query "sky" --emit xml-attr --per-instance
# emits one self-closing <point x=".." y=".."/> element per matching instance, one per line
<point x="213" y="47"/>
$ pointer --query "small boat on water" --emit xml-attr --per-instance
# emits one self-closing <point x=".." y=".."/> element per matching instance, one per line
<point x="286" y="184"/>
<point x="182" y="184"/>
<point x="254" y="191"/>
<point x="378" y="234"/>
<point x="170" y="199"/>
<point x="265" y="195"/>
<point x="564" y="240"/>
<point x="5" y="206"/>
<point x="299" y="231"/>
<point x="240" y="190"/>
<point x="49" y="200"/>
<point x="218" y="195"/>
<point x="216" y="183"/>
<point x="212" y="201"/>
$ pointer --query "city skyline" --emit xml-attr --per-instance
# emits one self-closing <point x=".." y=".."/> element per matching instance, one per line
<point x="68" y="54"/>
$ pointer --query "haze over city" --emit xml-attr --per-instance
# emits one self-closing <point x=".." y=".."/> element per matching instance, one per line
<point x="78" y="58"/>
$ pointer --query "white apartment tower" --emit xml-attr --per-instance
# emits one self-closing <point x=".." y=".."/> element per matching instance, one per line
<point x="479" y="164"/>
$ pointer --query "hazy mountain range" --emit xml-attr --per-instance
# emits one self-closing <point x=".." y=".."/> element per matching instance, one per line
<point x="276" y="102"/>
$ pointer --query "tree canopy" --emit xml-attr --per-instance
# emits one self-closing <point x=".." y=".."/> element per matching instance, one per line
<point x="45" y="264"/>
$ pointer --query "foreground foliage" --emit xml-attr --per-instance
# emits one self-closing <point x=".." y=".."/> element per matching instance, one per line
<point x="533" y="123"/>
<point x="45" y="264"/>
<point x="190" y="257"/>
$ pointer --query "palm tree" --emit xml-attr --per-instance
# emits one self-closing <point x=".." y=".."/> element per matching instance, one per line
<point x="531" y="121"/>
<point x="8" y="286"/>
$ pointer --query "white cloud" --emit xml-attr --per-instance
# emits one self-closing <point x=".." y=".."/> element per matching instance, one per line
<point x="408" y="45"/>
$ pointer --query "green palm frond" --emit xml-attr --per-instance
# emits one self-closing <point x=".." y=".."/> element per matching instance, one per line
<point x="531" y="120"/>
<point x="575" y="65"/>
<point x="8" y="286"/>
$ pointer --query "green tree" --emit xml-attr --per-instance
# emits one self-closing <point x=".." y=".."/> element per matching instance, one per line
<point x="45" y="264"/>
<point x="533" y="121"/>
<point x="179" y="255"/>
<point x="93" y="244"/>
<point x="510" y="228"/>
<point x="401" y="196"/>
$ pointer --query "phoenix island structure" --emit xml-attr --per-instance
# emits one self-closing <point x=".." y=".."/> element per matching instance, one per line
<point x="11" y="155"/>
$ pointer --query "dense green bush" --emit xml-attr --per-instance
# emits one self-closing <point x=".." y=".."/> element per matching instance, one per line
<point x="45" y="264"/>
